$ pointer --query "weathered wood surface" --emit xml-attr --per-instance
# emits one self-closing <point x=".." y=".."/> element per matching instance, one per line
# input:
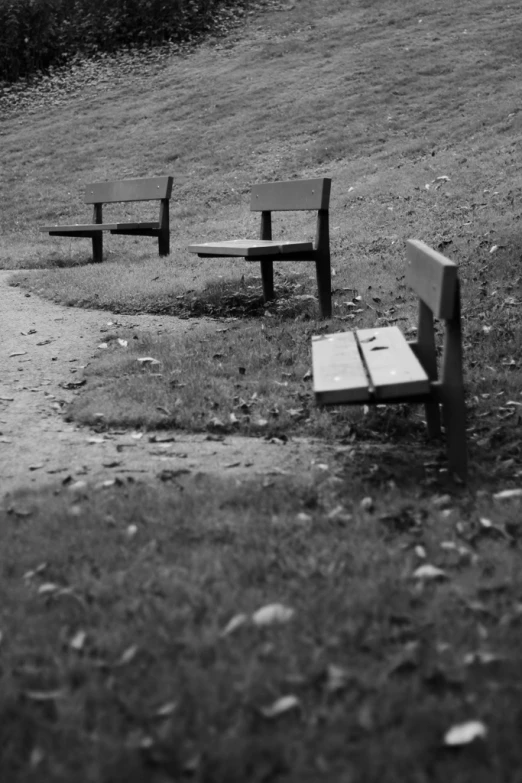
<point x="338" y="371"/>
<point x="143" y="189"/>
<point x="74" y="227"/>
<point x="393" y="368"/>
<point x="291" y="195"/>
<point x="432" y="276"/>
<point x="249" y="247"/>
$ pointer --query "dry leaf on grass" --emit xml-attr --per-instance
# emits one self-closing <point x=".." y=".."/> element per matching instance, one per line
<point x="508" y="494"/>
<point x="464" y="733"/>
<point x="272" y="614"/>
<point x="429" y="572"/>
<point x="147" y="360"/>
<point x="236" y="622"/>
<point x="280" y="706"/>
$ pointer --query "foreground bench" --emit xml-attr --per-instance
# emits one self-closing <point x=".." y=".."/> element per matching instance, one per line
<point x="311" y="194"/>
<point x="380" y="366"/>
<point x="99" y="193"/>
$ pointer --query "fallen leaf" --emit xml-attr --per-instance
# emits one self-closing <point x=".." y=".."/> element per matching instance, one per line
<point x="147" y="360"/>
<point x="508" y="494"/>
<point x="236" y="622"/>
<point x="272" y="614"/>
<point x="336" y="678"/>
<point x="48" y="587"/>
<point x="128" y="655"/>
<point x="123" y="343"/>
<point x="44" y="695"/>
<point x="280" y="706"/>
<point x="428" y="571"/>
<point x="17" y="353"/>
<point x="464" y="733"/>
<point x="78" y="641"/>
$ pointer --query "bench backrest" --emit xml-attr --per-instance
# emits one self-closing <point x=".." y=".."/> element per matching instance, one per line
<point x="144" y="189"/>
<point x="433" y="277"/>
<point x="293" y="195"/>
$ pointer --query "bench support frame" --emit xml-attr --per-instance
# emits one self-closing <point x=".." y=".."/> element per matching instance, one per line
<point x="100" y="193"/>
<point x="434" y="279"/>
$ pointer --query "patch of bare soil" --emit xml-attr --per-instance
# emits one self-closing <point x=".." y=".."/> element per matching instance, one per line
<point x="43" y="351"/>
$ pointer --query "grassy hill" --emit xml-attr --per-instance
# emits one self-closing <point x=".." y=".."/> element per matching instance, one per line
<point x="129" y="644"/>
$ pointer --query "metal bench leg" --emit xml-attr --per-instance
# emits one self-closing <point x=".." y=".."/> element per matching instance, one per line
<point x="97" y="248"/>
<point x="454" y="411"/>
<point x="324" y="285"/>
<point x="164" y="234"/>
<point x="267" y="275"/>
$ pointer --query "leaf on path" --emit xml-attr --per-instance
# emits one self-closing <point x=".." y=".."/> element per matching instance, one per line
<point x="236" y="622"/>
<point x="17" y="353"/>
<point x="464" y="733"/>
<point x="280" y="706"/>
<point x="429" y="572"/>
<point x="272" y="614"/>
<point x="156" y="438"/>
<point x="123" y="343"/>
<point x="103" y="345"/>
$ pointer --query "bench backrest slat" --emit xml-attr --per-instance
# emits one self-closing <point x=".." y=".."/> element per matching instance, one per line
<point x="292" y="195"/>
<point x="144" y="189"/>
<point x="433" y="277"/>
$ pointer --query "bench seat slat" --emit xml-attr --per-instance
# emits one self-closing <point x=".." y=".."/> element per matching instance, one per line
<point x="339" y="374"/>
<point x="248" y="247"/>
<point x="394" y="369"/>
<point x="80" y="227"/>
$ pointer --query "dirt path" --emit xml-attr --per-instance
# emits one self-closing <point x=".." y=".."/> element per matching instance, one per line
<point x="44" y="348"/>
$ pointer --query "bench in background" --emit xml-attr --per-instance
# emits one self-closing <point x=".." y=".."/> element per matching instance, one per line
<point x="296" y="195"/>
<point x="380" y="366"/>
<point x="99" y="193"/>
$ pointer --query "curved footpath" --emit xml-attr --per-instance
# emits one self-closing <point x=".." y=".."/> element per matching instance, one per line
<point x="43" y="348"/>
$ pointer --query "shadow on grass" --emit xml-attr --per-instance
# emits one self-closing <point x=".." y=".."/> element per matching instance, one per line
<point x="54" y="262"/>
<point x="231" y="299"/>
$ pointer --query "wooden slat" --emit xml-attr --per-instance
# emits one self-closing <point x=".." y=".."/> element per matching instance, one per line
<point x="98" y="227"/>
<point x="432" y="276"/>
<point x="248" y="247"/>
<point x="338" y="371"/>
<point x="393" y="368"/>
<point x="144" y="189"/>
<point x="293" y="195"/>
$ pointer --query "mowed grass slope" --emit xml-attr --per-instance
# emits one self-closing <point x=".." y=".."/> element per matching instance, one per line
<point x="128" y="647"/>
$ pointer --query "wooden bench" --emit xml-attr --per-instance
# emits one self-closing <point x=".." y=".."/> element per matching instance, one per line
<point x="99" y="193"/>
<point x="380" y="366"/>
<point x="311" y="194"/>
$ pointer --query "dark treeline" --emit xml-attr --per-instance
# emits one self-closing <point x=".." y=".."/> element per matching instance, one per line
<point x="38" y="34"/>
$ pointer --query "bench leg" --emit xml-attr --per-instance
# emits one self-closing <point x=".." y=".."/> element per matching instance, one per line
<point x="164" y="243"/>
<point x="267" y="275"/>
<point x="164" y="234"/>
<point x="324" y="286"/>
<point x="97" y="248"/>
<point x="454" y="411"/>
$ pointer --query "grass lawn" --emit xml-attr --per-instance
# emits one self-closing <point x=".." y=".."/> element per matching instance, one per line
<point x="131" y="649"/>
<point x="117" y="658"/>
